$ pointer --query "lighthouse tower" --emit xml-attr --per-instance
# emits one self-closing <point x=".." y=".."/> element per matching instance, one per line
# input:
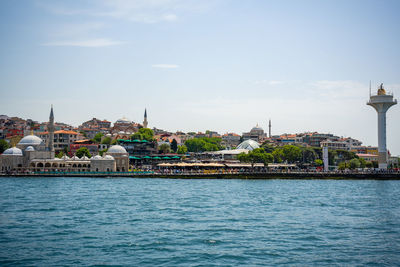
<point x="381" y="102"/>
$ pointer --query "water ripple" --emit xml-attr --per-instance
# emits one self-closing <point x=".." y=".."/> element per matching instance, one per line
<point x="156" y="222"/>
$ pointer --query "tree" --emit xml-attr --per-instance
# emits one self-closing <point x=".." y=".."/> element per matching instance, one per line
<point x="182" y="149"/>
<point x="268" y="147"/>
<point x="106" y="140"/>
<point x="83" y="151"/>
<point x="3" y="145"/>
<point x="143" y="134"/>
<point x="258" y="155"/>
<point x="204" y="144"/>
<point x="292" y="153"/>
<point x="174" y="145"/>
<point x="363" y="163"/>
<point x="318" y="162"/>
<point x="342" y="166"/>
<point x="278" y="155"/>
<point x="114" y="142"/>
<point x="369" y="164"/>
<point x="243" y="157"/>
<point x="354" y="164"/>
<point x="60" y="154"/>
<point x="164" y="148"/>
<point x="97" y="137"/>
<point x="101" y="152"/>
<point x="309" y="155"/>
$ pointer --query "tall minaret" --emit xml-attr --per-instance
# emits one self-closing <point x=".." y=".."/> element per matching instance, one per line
<point x="145" y="119"/>
<point x="50" y="129"/>
<point x="382" y="102"/>
<point x="269" y="128"/>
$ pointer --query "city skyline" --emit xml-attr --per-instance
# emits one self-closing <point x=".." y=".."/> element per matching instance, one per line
<point x="218" y="65"/>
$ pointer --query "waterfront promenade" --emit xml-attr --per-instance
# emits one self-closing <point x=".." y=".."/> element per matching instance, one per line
<point x="204" y="174"/>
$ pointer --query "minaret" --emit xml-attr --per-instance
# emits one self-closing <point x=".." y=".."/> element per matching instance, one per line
<point x="50" y="129"/>
<point x="269" y="128"/>
<point x="145" y="119"/>
<point x="382" y="102"/>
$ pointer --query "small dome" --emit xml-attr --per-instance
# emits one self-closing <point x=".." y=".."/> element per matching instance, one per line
<point x="75" y="158"/>
<point x="108" y="157"/>
<point x="13" y="151"/>
<point x="248" y="144"/>
<point x="65" y="157"/>
<point x="84" y="158"/>
<point x="30" y="148"/>
<point x="31" y="140"/>
<point x="97" y="157"/>
<point x="117" y="149"/>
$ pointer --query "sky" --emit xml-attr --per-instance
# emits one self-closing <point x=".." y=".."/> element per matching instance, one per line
<point x="223" y="65"/>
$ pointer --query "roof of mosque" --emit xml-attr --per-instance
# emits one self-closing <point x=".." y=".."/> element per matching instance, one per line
<point x="116" y="149"/>
<point x="31" y="140"/>
<point x="13" y="151"/>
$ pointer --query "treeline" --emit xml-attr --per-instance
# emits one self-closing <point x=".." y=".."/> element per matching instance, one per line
<point x="302" y="155"/>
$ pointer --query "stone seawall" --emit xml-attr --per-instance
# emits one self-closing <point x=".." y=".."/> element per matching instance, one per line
<point x="258" y="176"/>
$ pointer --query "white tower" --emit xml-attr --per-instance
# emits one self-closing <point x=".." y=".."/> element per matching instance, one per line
<point x="382" y="102"/>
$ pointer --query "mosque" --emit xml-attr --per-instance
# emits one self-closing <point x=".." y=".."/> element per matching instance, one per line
<point x="33" y="154"/>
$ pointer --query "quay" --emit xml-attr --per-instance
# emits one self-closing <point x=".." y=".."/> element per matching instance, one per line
<point x="219" y="175"/>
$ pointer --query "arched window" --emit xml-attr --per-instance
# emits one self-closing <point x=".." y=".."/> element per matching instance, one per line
<point x="40" y="165"/>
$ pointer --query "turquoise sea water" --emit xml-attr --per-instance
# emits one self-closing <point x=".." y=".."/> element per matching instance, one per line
<point x="161" y="222"/>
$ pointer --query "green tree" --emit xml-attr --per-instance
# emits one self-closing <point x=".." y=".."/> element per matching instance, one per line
<point x="106" y="140"/>
<point x="182" y="149"/>
<point x="354" y="164"/>
<point x="278" y="155"/>
<point x="318" y="162"/>
<point x="243" y="157"/>
<point x="143" y="134"/>
<point x="369" y="164"/>
<point x="101" y="152"/>
<point x="342" y="166"/>
<point x="97" y="138"/>
<point x="268" y="147"/>
<point x="204" y="144"/>
<point x="114" y="142"/>
<point x="83" y="151"/>
<point x="60" y="154"/>
<point x="164" y="148"/>
<point x="309" y="155"/>
<point x="174" y="145"/>
<point x="291" y="153"/>
<point x="3" y="145"/>
<point x="375" y="164"/>
<point x="363" y="163"/>
<point x="258" y="155"/>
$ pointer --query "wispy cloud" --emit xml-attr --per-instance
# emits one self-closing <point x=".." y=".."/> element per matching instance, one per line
<point x="144" y="11"/>
<point x="165" y="66"/>
<point x="85" y="43"/>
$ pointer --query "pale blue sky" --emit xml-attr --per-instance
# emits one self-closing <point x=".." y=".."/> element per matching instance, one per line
<point x="196" y="65"/>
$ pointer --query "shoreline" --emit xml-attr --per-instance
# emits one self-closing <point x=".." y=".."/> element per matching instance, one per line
<point x="250" y="176"/>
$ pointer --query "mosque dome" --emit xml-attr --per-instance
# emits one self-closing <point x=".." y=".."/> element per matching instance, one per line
<point x="117" y="149"/>
<point x="108" y="157"/>
<point x="31" y="140"/>
<point x="30" y="148"/>
<point x="248" y="144"/>
<point x="123" y="120"/>
<point x="65" y="157"/>
<point x="13" y="151"/>
<point x="97" y="157"/>
<point x="75" y="158"/>
<point x="84" y="157"/>
<point x="256" y="129"/>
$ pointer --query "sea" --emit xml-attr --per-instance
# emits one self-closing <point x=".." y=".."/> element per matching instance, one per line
<point x="198" y="222"/>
